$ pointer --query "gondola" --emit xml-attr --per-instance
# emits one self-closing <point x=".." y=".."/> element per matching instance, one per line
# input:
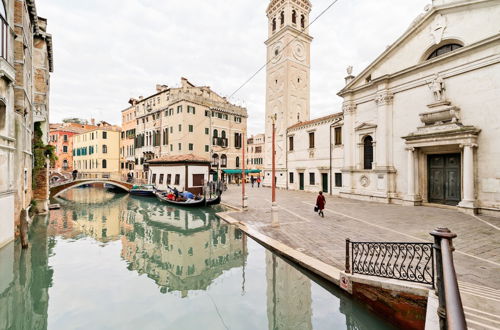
<point x="214" y="201"/>
<point x="187" y="203"/>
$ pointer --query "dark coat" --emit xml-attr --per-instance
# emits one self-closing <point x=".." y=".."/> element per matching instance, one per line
<point x="320" y="202"/>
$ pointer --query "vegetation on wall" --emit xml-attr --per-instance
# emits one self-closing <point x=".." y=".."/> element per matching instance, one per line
<point x="41" y="152"/>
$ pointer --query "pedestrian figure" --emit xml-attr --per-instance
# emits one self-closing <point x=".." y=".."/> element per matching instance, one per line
<point x="258" y="182"/>
<point x="320" y="204"/>
<point x="74" y="173"/>
<point x="252" y="179"/>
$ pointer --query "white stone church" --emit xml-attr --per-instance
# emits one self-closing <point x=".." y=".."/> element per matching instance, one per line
<point x="420" y="124"/>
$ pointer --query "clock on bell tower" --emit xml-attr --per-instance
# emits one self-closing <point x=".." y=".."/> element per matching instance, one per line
<point x="287" y="82"/>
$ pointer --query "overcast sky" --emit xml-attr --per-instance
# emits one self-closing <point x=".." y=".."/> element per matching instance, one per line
<point x="108" y="51"/>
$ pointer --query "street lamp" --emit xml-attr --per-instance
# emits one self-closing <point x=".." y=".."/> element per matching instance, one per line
<point x="274" y="205"/>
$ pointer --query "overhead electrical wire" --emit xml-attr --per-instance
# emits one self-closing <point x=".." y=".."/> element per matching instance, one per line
<point x="288" y="44"/>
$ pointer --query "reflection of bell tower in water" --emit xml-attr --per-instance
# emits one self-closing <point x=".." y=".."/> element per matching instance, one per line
<point x="287" y="82"/>
<point x="288" y="296"/>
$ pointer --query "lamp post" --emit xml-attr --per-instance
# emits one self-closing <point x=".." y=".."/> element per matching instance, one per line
<point x="243" y="196"/>
<point x="274" y="206"/>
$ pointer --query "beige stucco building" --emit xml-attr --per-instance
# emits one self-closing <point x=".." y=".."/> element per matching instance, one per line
<point x="288" y="77"/>
<point x="127" y="142"/>
<point x="255" y="153"/>
<point x="421" y="121"/>
<point x="97" y="152"/>
<point x="188" y="120"/>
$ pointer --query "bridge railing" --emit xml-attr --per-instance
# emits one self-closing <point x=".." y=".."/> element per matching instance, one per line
<point x="100" y="176"/>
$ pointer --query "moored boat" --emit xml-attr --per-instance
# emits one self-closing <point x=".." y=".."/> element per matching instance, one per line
<point x="143" y="190"/>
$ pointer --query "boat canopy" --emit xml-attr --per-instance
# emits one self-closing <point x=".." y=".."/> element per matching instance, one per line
<point x="239" y="171"/>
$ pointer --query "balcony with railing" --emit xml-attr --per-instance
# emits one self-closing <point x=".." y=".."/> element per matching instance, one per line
<point x="221" y="142"/>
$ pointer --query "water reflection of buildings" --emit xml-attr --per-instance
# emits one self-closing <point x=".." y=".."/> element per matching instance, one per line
<point x="25" y="278"/>
<point x="93" y="212"/>
<point x="180" y="250"/>
<point x="288" y="296"/>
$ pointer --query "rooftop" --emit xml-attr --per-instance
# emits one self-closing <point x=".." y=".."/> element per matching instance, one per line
<point x="187" y="158"/>
<point x="317" y="120"/>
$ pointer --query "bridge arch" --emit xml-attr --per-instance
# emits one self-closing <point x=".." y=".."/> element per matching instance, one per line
<point x="57" y="190"/>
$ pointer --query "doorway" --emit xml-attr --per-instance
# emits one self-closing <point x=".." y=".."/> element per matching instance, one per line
<point x="444" y="179"/>
<point x="324" y="182"/>
<point x="301" y="181"/>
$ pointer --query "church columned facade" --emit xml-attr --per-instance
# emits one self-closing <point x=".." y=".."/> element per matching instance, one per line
<point x="419" y="124"/>
<point x="288" y="66"/>
<point x="421" y="121"/>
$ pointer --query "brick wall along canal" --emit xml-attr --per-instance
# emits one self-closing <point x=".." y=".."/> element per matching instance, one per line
<point x="115" y="261"/>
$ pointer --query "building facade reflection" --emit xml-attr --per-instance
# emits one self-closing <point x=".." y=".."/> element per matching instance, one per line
<point x="180" y="250"/>
<point x="288" y="296"/>
<point x="25" y="278"/>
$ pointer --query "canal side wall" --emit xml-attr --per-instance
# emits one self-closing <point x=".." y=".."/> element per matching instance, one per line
<point x="403" y="304"/>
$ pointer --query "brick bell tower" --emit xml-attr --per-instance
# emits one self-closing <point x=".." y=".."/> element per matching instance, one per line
<point x="288" y="78"/>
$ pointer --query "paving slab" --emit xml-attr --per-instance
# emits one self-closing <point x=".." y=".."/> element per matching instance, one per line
<point x="477" y="254"/>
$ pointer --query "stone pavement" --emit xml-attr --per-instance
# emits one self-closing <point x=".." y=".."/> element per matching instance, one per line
<point x="477" y="254"/>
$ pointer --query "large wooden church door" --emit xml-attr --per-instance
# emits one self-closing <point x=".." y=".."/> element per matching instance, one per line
<point x="444" y="179"/>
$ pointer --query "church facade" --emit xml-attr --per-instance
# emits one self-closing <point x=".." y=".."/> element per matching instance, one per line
<point x="421" y="122"/>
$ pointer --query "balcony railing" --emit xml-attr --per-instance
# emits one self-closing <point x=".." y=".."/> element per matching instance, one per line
<point x="221" y="142"/>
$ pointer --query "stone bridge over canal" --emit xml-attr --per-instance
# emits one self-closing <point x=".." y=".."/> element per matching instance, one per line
<point x="58" y="188"/>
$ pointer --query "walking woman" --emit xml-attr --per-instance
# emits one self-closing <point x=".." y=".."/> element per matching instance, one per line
<point x="320" y="204"/>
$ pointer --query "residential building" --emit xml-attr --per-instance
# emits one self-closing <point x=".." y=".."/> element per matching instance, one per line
<point x="96" y="153"/>
<point x="255" y="153"/>
<point x="184" y="172"/>
<point x="421" y="121"/>
<point x="188" y="120"/>
<point x="25" y="65"/>
<point x="315" y="155"/>
<point x="288" y="78"/>
<point x="61" y="137"/>
<point x="127" y="141"/>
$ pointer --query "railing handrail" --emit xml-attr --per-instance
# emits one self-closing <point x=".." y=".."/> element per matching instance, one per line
<point x="450" y="311"/>
<point x="406" y="261"/>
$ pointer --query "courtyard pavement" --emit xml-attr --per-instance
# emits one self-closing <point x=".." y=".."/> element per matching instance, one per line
<point x="477" y="254"/>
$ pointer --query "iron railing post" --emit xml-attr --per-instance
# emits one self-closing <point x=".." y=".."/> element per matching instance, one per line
<point x="450" y="311"/>
<point x="347" y="256"/>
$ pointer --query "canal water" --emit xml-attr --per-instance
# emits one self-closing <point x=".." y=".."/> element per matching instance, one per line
<point x="115" y="261"/>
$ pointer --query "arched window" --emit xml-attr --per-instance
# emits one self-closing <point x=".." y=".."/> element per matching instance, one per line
<point x="367" y="152"/>
<point x="294" y="17"/>
<point x="443" y="50"/>
<point x="65" y="164"/>
<point x="215" y="160"/>
<point x="302" y="21"/>
<point x="274" y="24"/>
<point x="104" y="163"/>
<point x="223" y="134"/>
<point x="216" y="133"/>
<point x="104" y="149"/>
<point x="223" y="161"/>
<point x="237" y="161"/>
<point x="282" y="18"/>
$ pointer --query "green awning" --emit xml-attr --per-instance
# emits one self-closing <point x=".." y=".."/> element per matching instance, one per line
<point x="239" y="171"/>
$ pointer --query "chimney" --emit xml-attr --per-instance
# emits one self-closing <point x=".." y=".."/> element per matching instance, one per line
<point x="92" y="121"/>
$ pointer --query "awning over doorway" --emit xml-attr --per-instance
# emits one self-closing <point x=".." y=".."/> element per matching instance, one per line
<point x="239" y="171"/>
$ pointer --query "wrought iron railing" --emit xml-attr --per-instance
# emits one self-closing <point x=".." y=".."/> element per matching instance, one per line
<point x="412" y="262"/>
